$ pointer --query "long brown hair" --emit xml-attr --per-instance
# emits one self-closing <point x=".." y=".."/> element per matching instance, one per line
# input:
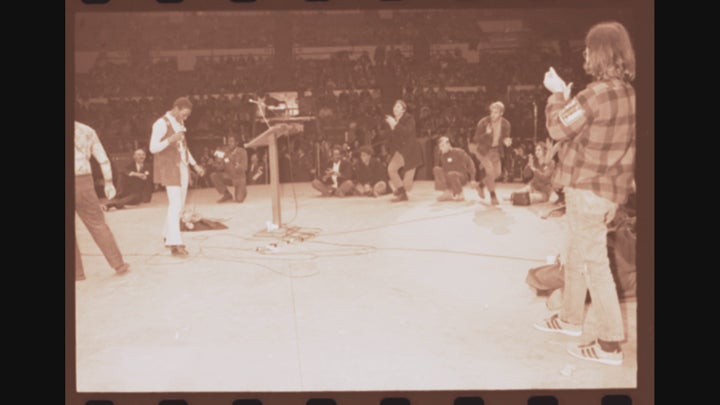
<point x="610" y="53"/>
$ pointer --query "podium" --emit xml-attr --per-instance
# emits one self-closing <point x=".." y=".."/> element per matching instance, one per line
<point x="269" y="139"/>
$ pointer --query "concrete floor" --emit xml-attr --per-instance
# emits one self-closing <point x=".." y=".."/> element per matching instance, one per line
<point x="420" y="295"/>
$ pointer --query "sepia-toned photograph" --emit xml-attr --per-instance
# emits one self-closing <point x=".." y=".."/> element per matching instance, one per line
<point x="355" y="200"/>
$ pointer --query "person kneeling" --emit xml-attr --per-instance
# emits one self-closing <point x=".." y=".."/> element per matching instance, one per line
<point x="232" y="165"/>
<point x="337" y="179"/>
<point x="455" y="169"/>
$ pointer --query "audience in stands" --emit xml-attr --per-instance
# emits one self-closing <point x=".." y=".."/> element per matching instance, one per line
<point x="443" y="90"/>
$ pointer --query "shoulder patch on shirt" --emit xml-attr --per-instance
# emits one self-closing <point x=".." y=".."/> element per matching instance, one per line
<point x="571" y="113"/>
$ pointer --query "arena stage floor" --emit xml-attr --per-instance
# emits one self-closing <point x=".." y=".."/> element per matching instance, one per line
<point x="362" y="295"/>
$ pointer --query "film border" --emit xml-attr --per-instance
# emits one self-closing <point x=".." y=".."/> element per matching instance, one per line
<point x="643" y="14"/>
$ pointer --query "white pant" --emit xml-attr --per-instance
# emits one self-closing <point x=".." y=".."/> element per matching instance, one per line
<point x="176" y="203"/>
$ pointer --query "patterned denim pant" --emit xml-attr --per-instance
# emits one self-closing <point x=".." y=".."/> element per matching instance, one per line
<point x="587" y="267"/>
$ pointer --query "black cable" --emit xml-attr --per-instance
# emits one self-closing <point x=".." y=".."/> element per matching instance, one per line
<point x="410" y="221"/>
<point x="285" y="255"/>
<point x="360" y="250"/>
<point x="291" y="235"/>
<point x="266" y="267"/>
<point x="295" y="212"/>
<point x="170" y="259"/>
<point x="425" y="250"/>
<point x="292" y="182"/>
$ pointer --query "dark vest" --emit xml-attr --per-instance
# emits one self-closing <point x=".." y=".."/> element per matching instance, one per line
<point x="166" y="163"/>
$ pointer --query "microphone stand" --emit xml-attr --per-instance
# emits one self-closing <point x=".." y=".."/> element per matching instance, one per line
<point x="535" y="118"/>
<point x="262" y="113"/>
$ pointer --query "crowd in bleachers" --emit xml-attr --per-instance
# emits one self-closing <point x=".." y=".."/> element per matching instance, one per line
<point x="172" y="31"/>
<point x="436" y="109"/>
<point x="223" y="111"/>
<point x="384" y="27"/>
<point x="445" y="92"/>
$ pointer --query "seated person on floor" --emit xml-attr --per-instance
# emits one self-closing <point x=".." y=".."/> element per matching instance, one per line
<point x="232" y="165"/>
<point x="338" y="176"/>
<point x="455" y="169"/>
<point x="136" y="184"/>
<point x="542" y="166"/>
<point x="370" y="174"/>
<point x="256" y="170"/>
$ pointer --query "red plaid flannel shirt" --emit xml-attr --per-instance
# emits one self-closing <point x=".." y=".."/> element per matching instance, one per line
<point x="598" y="130"/>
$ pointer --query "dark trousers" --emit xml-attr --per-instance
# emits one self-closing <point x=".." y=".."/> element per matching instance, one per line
<point x="449" y="180"/>
<point x="344" y="189"/>
<point x="508" y="167"/>
<point x="88" y="209"/>
<point x="239" y="182"/>
<point x="492" y="166"/>
<point x="132" y="185"/>
<point x="130" y="199"/>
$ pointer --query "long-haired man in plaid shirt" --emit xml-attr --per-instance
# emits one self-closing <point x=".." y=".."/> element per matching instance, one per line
<point x="597" y="129"/>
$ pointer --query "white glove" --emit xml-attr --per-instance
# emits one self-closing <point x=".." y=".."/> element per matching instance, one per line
<point x="555" y="84"/>
<point x="109" y="191"/>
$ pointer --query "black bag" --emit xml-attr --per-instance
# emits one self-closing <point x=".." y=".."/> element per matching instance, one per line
<point x="520" y="198"/>
<point x="621" y="244"/>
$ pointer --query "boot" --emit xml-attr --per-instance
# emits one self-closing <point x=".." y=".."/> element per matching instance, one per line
<point x="481" y="191"/>
<point x="226" y="197"/>
<point x="401" y="195"/>
<point x="493" y="198"/>
<point x="445" y="196"/>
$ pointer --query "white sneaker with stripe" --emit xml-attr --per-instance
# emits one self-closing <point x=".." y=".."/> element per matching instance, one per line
<point x="554" y="324"/>
<point x="593" y="352"/>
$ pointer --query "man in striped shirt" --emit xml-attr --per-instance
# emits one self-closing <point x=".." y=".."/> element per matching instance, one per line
<point x="87" y="205"/>
<point x="597" y="128"/>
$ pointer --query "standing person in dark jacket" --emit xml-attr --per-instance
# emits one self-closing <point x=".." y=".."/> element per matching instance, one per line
<point x="488" y="145"/>
<point x="404" y="149"/>
<point x="370" y="174"/>
<point x="455" y="169"/>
